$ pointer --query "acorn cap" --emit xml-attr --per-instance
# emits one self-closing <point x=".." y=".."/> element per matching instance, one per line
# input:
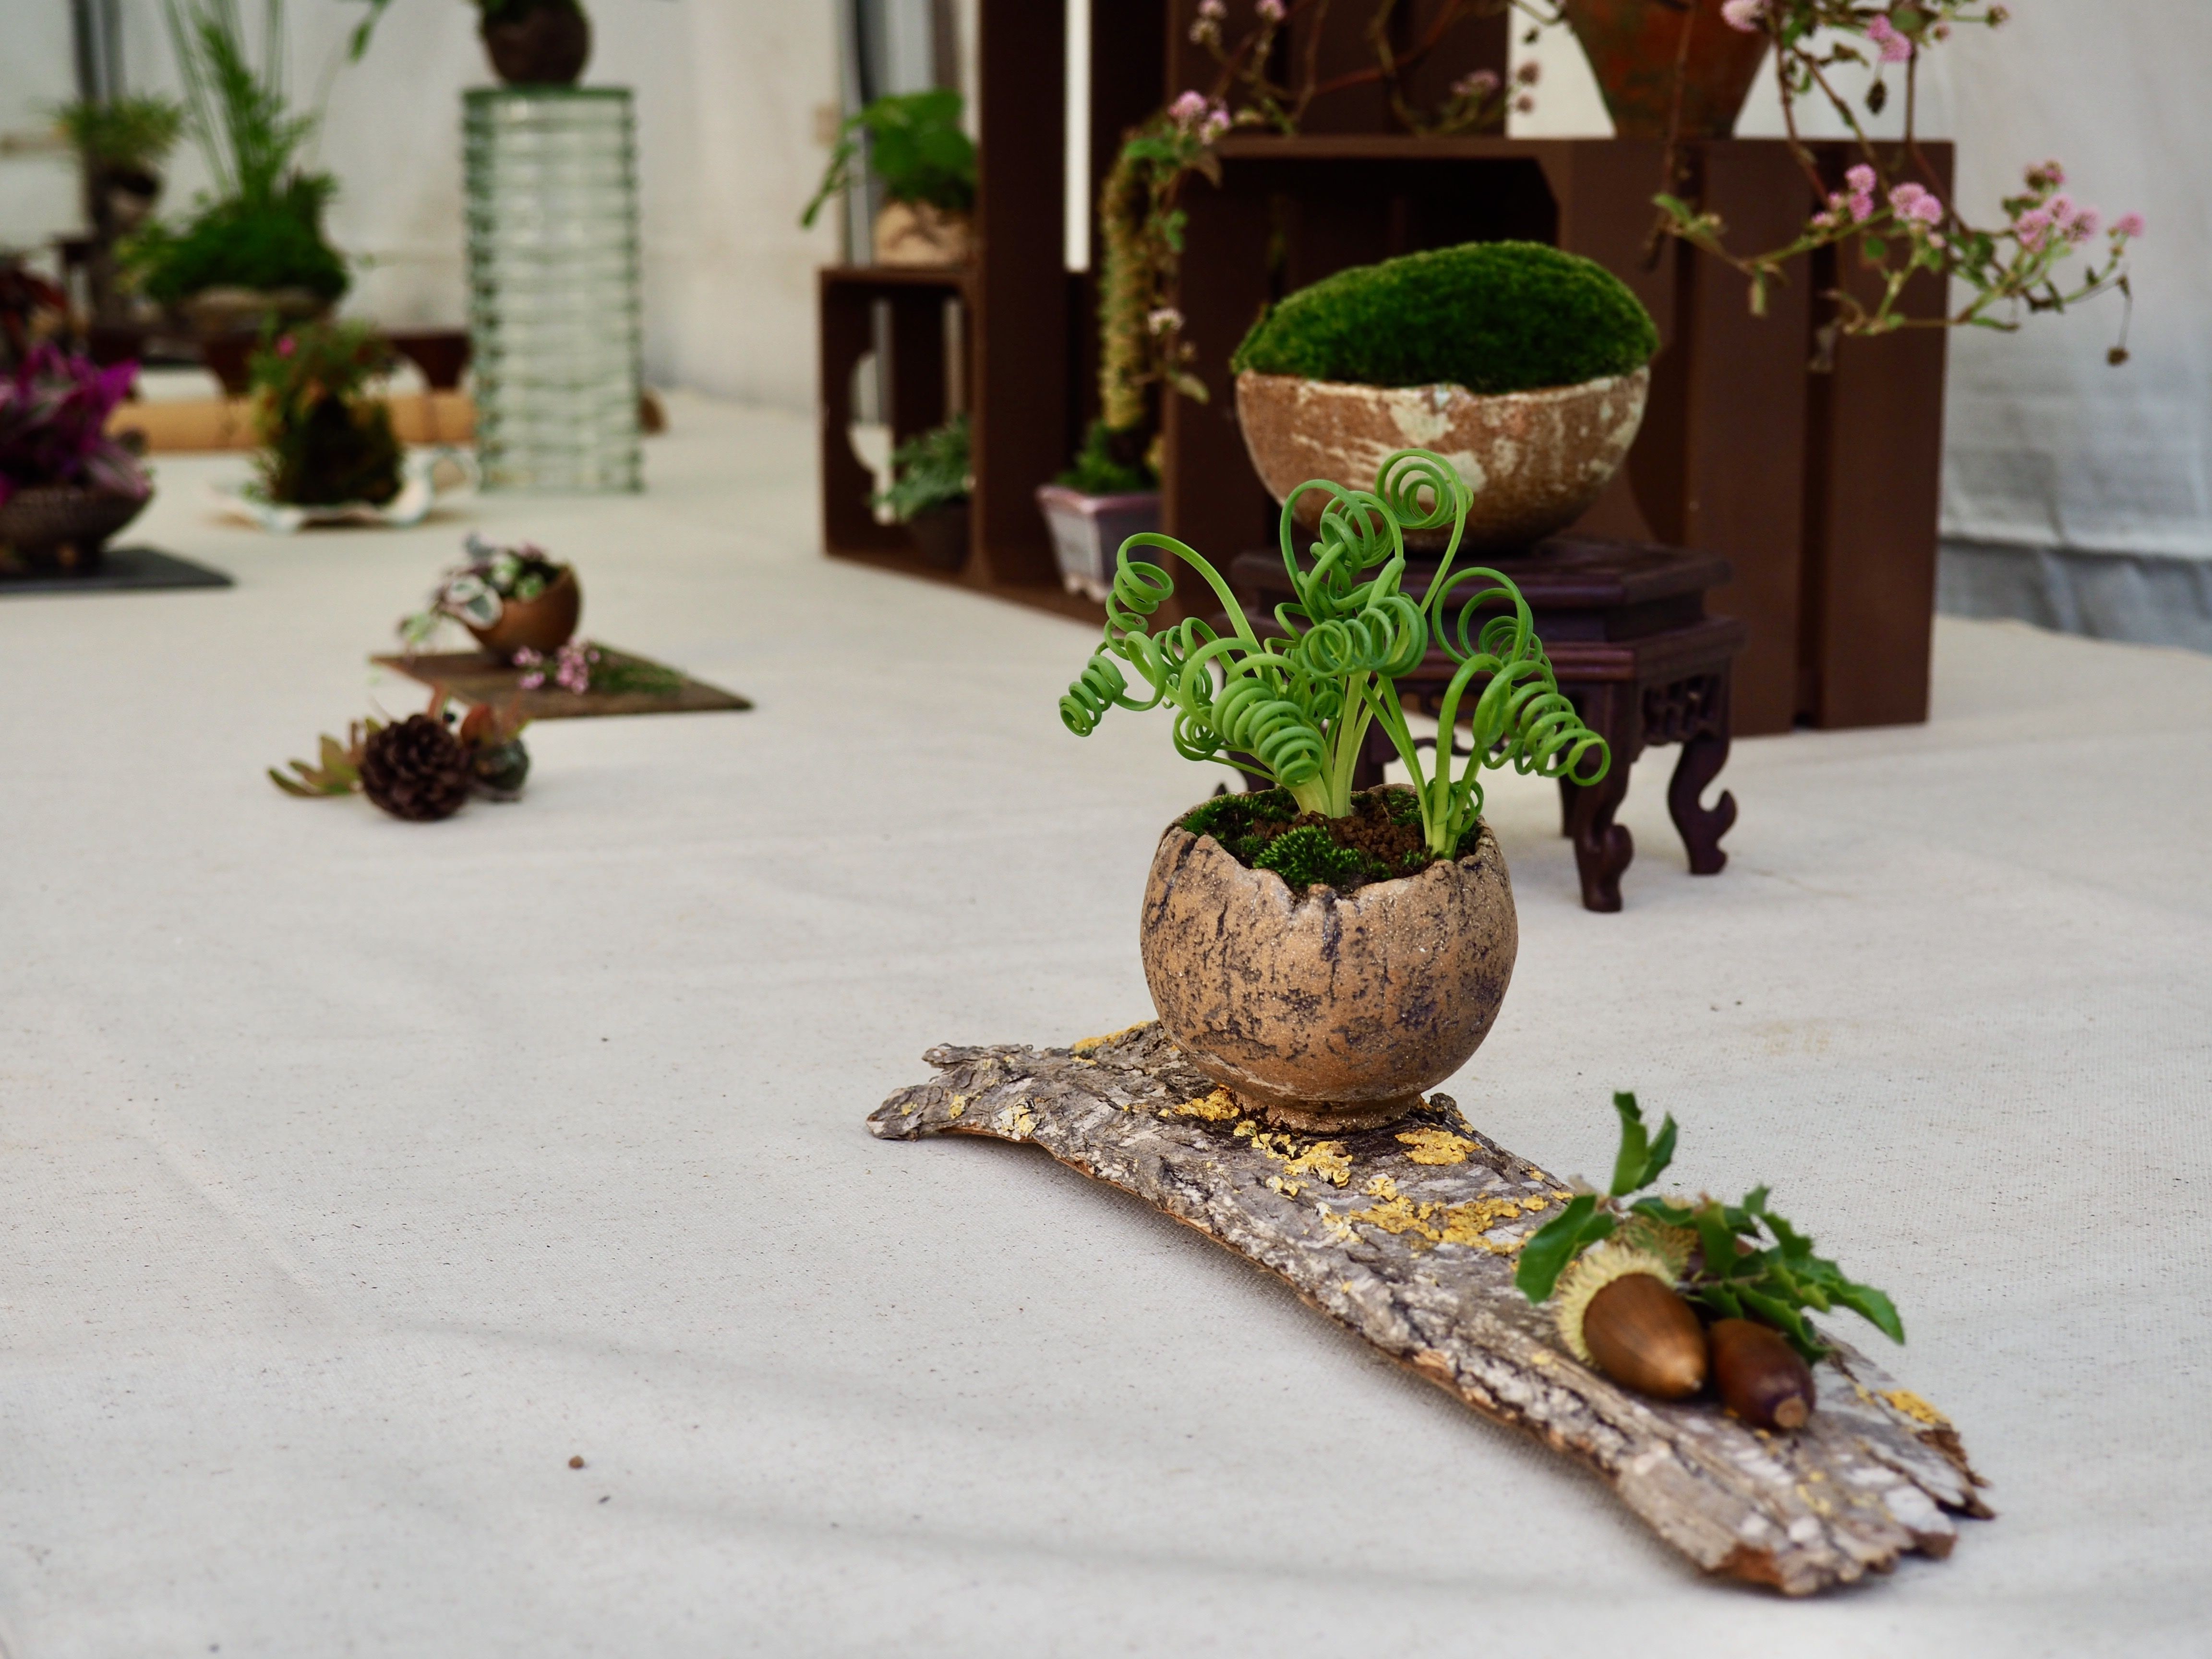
<point x="1590" y="1272"/>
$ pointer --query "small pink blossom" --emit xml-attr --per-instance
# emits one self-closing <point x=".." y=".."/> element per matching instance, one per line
<point x="1860" y="179"/>
<point x="1270" y="11"/>
<point x="2127" y="224"/>
<point x="1166" y="320"/>
<point x="1743" y="14"/>
<point x="286" y="346"/>
<point x="2031" y="225"/>
<point x="2085" y="223"/>
<point x="1916" y="202"/>
<point x="1187" y="109"/>
<point x="1212" y="11"/>
<point x="1895" y="48"/>
<point x="1478" y="86"/>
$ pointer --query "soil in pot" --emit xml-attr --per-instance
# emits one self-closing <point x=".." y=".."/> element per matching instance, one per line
<point x="1381" y="840"/>
<point x="545" y="45"/>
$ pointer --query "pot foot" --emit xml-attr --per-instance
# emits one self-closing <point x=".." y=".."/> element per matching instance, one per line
<point x="1328" y="1117"/>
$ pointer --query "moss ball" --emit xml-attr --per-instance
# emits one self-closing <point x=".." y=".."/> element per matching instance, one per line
<point x="1490" y="316"/>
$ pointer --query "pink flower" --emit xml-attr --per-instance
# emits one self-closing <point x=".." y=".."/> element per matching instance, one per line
<point x="1860" y="179"/>
<point x="1478" y="86"/>
<point x="1270" y="11"/>
<point x="2085" y="224"/>
<point x="1743" y="14"/>
<point x="2031" y="225"/>
<point x="1914" y="202"/>
<point x="286" y="346"/>
<point x="1216" y="123"/>
<point x="1895" y="48"/>
<point x="1187" y="109"/>
<point x="2127" y="224"/>
<point x="1166" y="320"/>
<point x="531" y="680"/>
<point x="1213" y="10"/>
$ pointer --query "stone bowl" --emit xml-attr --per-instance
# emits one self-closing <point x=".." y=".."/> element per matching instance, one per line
<point x="63" y="526"/>
<point x="544" y="624"/>
<point x="1535" y="461"/>
<point x="1326" y="1011"/>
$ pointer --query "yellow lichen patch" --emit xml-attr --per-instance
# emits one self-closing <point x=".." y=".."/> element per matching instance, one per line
<point x="1217" y="1108"/>
<point x="1091" y="1045"/>
<point x="1438" y="1223"/>
<point x="1916" y="1408"/>
<point x="1017" y="1121"/>
<point x="1325" y="1159"/>
<point x="1435" y="1147"/>
<point x="959" y="1105"/>
<point x="1287" y="1188"/>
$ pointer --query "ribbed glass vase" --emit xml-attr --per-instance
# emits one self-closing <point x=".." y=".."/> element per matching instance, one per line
<point x="553" y="287"/>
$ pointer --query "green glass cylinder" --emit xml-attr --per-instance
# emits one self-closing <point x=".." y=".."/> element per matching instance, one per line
<point x="554" y="318"/>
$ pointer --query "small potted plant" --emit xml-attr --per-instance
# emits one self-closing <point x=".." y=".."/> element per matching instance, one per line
<point x="932" y="478"/>
<point x="513" y="599"/>
<point x="65" y="486"/>
<point x="253" y="252"/>
<point x="914" y="144"/>
<point x="1326" y="954"/>
<point x="326" y="441"/>
<point x="1526" y="365"/>
<point x="121" y="144"/>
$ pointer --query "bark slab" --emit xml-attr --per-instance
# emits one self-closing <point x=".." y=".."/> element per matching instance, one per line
<point x="1405" y="1235"/>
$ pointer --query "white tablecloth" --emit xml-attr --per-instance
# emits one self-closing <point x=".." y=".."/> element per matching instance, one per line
<point x="355" y="1175"/>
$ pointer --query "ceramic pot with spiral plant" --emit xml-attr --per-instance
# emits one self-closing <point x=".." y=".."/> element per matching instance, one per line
<point x="1635" y="49"/>
<point x="1525" y="366"/>
<point x="536" y="43"/>
<point x="1324" y="954"/>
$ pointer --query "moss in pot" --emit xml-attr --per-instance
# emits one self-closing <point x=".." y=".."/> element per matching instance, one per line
<point x="1524" y="365"/>
<point x="1327" y="955"/>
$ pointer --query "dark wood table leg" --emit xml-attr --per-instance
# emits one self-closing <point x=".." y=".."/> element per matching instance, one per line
<point x="1704" y="751"/>
<point x="1604" y="849"/>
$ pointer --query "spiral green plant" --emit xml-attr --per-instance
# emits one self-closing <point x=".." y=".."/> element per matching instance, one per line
<point x="1297" y="705"/>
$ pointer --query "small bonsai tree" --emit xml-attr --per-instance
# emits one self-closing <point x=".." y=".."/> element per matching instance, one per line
<point x="915" y="143"/>
<point x="1490" y="316"/>
<point x="323" y="443"/>
<point x="929" y="471"/>
<point x="1298" y="707"/>
<point x="263" y="228"/>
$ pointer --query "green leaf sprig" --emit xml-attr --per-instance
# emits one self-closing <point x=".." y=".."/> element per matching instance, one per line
<point x="1299" y="705"/>
<point x="1748" y="1262"/>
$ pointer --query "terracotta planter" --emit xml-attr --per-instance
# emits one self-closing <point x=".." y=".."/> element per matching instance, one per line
<point x="545" y="46"/>
<point x="1088" y="531"/>
<point x="940" y="536"/>
<point x="61" y="526"/>
<point x="1633" y="47"/>
<point x="544" y="624"/>
<point x="916" y="234"/>
<point x="1326" y="1011"/>
<point x="1535" y="461"/>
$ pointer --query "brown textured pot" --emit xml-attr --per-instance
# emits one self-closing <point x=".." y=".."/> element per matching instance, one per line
<point x="544" y="624"/>
<point x="63" y="527"/>
<point x="916" y="234"/>
<point x="547" y="46"/>
<point x="1633" y="46"/>
<point x="1535" y="461"/>
<point x="1328" y="1010"/>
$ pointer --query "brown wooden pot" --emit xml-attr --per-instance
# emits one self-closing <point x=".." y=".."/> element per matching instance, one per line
<point x="546" y="46"/>
<point x="544" y="624"/>
<point x="63" y="527"/>
<point x="1535" y="461"/>
<point x="1326" y="1011"/>
<point x="1633" y="46"/>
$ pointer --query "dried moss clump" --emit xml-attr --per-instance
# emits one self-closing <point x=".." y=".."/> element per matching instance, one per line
<point x="1490" y="316"/>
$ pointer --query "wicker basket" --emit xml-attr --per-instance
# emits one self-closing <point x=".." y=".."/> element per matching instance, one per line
<point x="61" y="526"/>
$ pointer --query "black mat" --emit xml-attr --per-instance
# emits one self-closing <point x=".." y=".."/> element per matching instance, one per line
<point x="120" y="568"/>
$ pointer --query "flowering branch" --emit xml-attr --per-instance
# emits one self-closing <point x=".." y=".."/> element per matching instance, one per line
<point x="1900" y="226"/>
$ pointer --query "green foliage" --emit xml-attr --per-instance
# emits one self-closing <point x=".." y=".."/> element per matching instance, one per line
<point x="337" y="771"/>
<point x="914" y="144"/>
<point x="1749" y="1263"/>
<point x="133" y="132"/>
<point x="241" y="243"/>
<point x="1309" y="856"/>
<point x="263" y="228"/>
<point x="933" y="470"/>
<point x="1099" y="469"/>
<point x="323" y="442"/>
<point x="1490" y="316"/>
<point x="1299" y="705"/>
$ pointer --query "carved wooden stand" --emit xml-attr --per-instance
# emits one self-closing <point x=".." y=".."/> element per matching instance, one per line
<point x="1405" y="1235"/>
<point x="1625" y="625"/>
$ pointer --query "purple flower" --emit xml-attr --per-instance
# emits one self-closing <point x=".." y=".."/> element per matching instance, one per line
<point x="1895" y="48"/>
<point x="531" y="680"/>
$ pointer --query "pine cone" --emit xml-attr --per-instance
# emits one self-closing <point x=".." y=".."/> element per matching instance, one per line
<point x="415" y="769"/>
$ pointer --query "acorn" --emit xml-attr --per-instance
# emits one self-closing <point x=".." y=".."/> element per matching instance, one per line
<point x="1618" y="1311"/>
<point x="1761" y="1378"/>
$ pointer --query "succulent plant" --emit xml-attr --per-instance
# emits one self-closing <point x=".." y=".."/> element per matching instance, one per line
<point x="53" y="426"/>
